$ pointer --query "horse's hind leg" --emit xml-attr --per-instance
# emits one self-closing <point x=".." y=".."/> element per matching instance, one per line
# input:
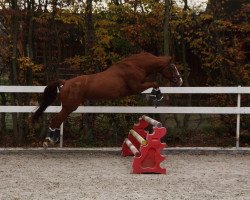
<point x="53" y="135"/>
<point x="57" y="120"/>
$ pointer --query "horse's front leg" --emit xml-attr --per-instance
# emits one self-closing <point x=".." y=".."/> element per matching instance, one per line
<point x="53" y="135"/>
<point x="140" y="87"/>
<point x="155" y="93"/>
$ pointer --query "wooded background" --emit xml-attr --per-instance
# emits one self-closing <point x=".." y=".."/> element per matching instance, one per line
<point x="42" y="40"/>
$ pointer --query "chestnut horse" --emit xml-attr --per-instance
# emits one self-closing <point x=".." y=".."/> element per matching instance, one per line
<point x="124" y="78"/>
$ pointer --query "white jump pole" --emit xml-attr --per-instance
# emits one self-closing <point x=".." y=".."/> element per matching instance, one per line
<point x="139" y="138"/>
<point x="152" y="121"/>
<point x="132" y="147"/>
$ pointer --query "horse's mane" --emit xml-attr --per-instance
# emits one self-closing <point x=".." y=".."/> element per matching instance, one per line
<point x="135" y="59"/>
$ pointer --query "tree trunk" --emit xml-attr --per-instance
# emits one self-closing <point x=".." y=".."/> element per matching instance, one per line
<point x="23" y="131"/>
<point x="30" y="49"/>
<point x="13" y="70"/>
<point x="89" y="24"/>
<point x="166" y="40"/>
<point x="116" y="2"/>
<point x="89" y="43"/>
<point x="166" y="28"/>
<point x="186" y="72"/>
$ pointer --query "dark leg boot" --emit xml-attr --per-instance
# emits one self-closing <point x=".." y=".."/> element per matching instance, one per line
<point x="156" y="94"/>
<point x="53" y="137"/>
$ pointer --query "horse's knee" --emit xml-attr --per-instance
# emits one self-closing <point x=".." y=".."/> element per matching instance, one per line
<point x="57" y="120"/>
<point x="155" y="85"/>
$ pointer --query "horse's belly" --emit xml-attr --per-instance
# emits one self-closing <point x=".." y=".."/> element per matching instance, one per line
<point x="106" y="89"/>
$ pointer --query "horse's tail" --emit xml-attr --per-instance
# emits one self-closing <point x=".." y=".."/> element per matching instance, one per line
<point x="49" y="96"/>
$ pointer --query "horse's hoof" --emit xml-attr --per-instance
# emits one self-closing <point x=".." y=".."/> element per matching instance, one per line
<point x="45" y="145"/>
<point x="48" y="143"/>
<point x="156" y="95"/>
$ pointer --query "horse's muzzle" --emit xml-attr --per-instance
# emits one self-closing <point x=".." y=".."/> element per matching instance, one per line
<point x="177" y="81"/>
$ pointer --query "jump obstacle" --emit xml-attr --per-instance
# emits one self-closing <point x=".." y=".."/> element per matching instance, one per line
<point x="146" y="147"/>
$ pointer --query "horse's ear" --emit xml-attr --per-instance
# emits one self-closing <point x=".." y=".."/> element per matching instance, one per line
<point x="171" y="59"/>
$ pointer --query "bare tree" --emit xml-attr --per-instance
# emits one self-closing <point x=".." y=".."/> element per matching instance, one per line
<point x="13" y="68"/>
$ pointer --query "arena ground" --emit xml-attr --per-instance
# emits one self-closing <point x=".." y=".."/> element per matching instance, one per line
<point x="107" y="175"/>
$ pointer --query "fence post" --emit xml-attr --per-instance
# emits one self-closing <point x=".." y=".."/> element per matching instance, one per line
<point x="61" y="135"/>
<point x="238" y="119"/>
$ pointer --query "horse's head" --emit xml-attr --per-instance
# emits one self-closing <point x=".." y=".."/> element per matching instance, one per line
<point x="171" y="73"/>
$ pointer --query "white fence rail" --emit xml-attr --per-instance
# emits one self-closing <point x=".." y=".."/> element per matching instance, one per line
<point x="237" y="110"/>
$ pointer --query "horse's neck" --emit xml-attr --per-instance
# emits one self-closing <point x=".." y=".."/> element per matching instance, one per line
<point x="146" y="62"/>
<point x="155" y="65"/>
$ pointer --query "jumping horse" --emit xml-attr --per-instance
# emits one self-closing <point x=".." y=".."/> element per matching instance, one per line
<point x="126" y="77"/>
